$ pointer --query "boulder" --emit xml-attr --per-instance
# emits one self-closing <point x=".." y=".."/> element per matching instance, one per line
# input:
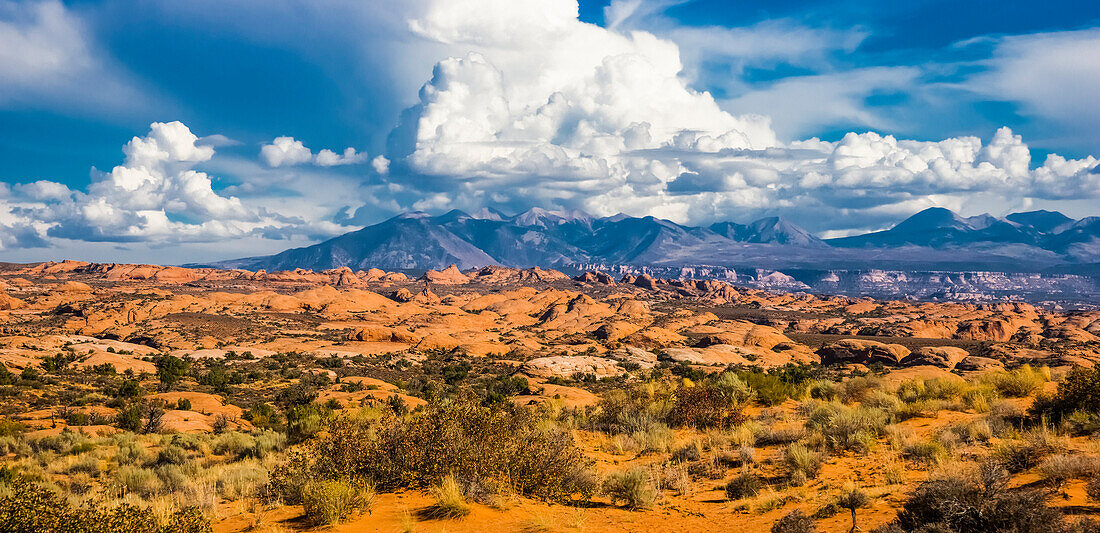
<point x="941" y="356"/>
<point x="975" y="363"/>
<point x="861" y="351"/>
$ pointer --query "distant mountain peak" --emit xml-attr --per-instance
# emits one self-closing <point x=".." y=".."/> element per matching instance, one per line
<point x="1042" y="220"/>
<point x="537" y="216"/>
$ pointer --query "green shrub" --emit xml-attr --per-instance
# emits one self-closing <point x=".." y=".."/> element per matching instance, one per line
<point x="928" y="452"/>
<point x="1079" y="391"/>
<point x="462" y="438"/>
<point x="980" y="398"/>
<point x="633" y="488"/>
<point x="776" y="386"/>
<point x="857" y="388"/>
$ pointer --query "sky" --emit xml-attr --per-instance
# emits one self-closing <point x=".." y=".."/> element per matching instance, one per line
<point x="172" y="132"/>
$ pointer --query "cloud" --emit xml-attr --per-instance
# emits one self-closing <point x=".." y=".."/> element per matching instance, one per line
<point x="286" y="151"/>
<point x="156" y="196"/>
<point x="48" y="58"/>
<point x="547" y="110"/>
<point x="804" y="104"/>
<point x="380" y="164"/>
<point x="1052" y="76"/>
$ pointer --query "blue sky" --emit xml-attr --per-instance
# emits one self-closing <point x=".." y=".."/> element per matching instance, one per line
<point x="845" y="116"/>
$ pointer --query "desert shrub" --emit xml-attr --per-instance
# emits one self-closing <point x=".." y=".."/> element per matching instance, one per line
<point x="462" y="438"/>
<point x="744" y="485"/>
<point x="1019" y="455"/>
<point x="857" y="388"/>
<point x="844" y="427"/>
<point x="131" y="452"/>
<point x="675" y="477"/>
<point x="173" y="477"/>
<point x="1079" y="391"/>
<point x="980" y="398"/>
<point x="794" y="522"/>
<point x="232" y="443"/>
<point x="853" y="499"/>
<point x="634" y="409"/>
<point x="264" y="416"/>
<point x="633" y="488"/>
<point x="171" y="455"/>
<point x="712" y="402"/>
<point x="11" y="428"/>
<point x="14" y="445"/>
<point x="824" y="390"/>
<point x="183" y="404"/>
<point x="969" y="504"/>
<point x="265" y="443"/>
<point x="801" y="459"/>
<point x="977" y="430"/>
<point x="87" y="464"/>
<point x="63" y="443"/>
<point x="1081" y="422"/>
<point x="328" y="501"/>
<point x="1060" y="468"/>
<point x="657" y="438"/>
<point x="777" y="385"/>
<point x="881" y="399"/>
<point x="241" y="480"/>
<point x="687" y="453"/>
<point x="1018" y="382"/>
<point x="28" y="508"/>
<point x="305" y="421"/>
<point x="927" y="452"/>
<point x="450" y="501"/>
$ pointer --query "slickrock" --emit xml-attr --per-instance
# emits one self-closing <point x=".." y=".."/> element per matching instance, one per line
<point x="450" y="275"/>
<point x="566" y="366"/>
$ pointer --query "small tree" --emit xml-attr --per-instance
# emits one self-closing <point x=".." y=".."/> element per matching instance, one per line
<point x="170" y="370"/>
<point x="852" y="499"/>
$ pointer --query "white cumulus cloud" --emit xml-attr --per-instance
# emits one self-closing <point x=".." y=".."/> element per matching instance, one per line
<point x="287" y="151"/>
<point x="544" y="109"/>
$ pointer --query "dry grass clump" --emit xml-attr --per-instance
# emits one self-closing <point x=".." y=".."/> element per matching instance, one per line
<point x="804" y="461"/>
<point x="328" y="501"/>
<point x="843" y="427"/>
<point x="1028" y="451"/>
<point x="633" y="488"/>
<point x="1018" y="382"/>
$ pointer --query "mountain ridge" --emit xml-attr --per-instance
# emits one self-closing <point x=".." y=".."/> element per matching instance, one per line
<point x="932" y="239"/>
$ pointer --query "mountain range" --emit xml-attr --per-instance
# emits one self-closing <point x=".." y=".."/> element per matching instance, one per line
<point x="935" y="239"/>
